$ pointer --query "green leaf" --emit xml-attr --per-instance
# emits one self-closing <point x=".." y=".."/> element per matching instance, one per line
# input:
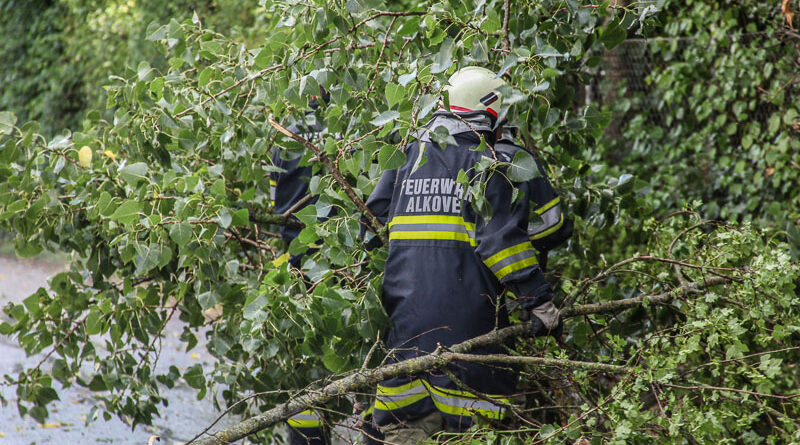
<point x="156" y="32"/>
<point x="625" y="183"/>
<point x="394" y="94"/>
<point x="510" y="62"/>
<point x="32" y="304"/>
<point x="144" y="72"/>
<point x="390" y="157"/>
<point x="208" y="300"/>
<point x="240" y="217"/>
<point x="444" y="58"/>
<point x="97" y="384"/>
<point x="442" y="137"/>
<point x="385" y="117"/>
<point x="262" y="59"/>
<point x="613" y="35"/>
<point x="406" y="78"/>
<point x="224" y="219"/>
<point x="181" y="233"/>
<point x="26" y="248"/>
<point x="157" y="86"/>
<point x="204" y="77"/>
<point x="127" y="213"/>
<point x="7" y="122"/>
<point x="523" y="167"/>
<point x="355" y="6"/>
<point x="146" y="258"/>
<point x="194" y="377"/>
<point x="105" y="205"/>
<point x="93" y="325"/>
<point x="333" y="361"/>
<point x="134" y="173"/>
<point x="480" y="52"/>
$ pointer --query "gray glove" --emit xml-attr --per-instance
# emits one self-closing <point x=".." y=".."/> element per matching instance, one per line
<point x="546" y="320"/>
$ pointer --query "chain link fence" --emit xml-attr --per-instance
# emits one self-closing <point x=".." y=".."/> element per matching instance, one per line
<point x="629" y="72"/>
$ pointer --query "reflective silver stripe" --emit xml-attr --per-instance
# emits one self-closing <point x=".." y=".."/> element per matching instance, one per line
<point x="454" y="125"/>
<point x="549" y="219"/>
<point x="305" y="415"/>
<point x="462" y="403"/>
<point x="396" y="398"/>
<point x="433" y="227"/>
<point x="512" y="259"/>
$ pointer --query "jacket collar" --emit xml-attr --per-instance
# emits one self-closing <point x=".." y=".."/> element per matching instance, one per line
<point x="462" y="124"/>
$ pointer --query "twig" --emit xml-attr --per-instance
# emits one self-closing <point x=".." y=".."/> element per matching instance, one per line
<point x="743" y="391"/>
<point x="571" y="298"/>
<point x="247" y="99"/>
<point x="362" y="379"/>
<point x="380" y="55"/>
<point x="536" y="361"/>
<point x="271" y="218"/>
<point x="337" y="175"/>
<point x="234" y="85"/>
<point x="61" y="342"/>
<point x="297" y="206"/>
<point x="506" y="14"/>
<point x="618" y="305"/>
<point x="371" y="351"/>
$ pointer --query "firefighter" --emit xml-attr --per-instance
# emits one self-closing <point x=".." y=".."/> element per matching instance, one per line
<point x="291" y="185"/>
<point x="447" y="267"/>
<point x="288" y="188"/>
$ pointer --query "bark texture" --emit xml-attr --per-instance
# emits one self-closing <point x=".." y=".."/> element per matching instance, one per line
<point x="364" y="379"/>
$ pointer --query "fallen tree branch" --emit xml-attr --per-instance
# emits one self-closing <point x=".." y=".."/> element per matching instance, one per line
<point x="337" y="176"/>
<point x="537" y="361"/>
<point x="363" y="379"/>
<point x="618" y="305"/>
<point x="279" y="220"/>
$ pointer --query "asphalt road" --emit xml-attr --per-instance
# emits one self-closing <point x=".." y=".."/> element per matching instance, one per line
<point x="67" y="424"/>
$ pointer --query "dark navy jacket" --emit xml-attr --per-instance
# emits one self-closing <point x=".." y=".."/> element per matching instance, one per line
<point x="291" y="185"/>
<point x="447" y="268"/>
<point x="548" y="226"/>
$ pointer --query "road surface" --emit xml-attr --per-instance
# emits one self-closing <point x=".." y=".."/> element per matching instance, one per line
<point x="179" y="422"/>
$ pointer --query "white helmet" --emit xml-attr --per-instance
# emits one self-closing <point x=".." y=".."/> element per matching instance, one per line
<point x="474" y="88"/>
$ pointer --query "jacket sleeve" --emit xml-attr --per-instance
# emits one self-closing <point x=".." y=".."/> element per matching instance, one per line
<point x="379" y="203"/>
<point x="275" y="176"/>
<point x="380" y="199"/>
<point x="549" y="227"/>
<point x="505" y="248"/>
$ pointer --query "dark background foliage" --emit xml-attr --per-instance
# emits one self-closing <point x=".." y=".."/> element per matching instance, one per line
<point x="652" y="118"/>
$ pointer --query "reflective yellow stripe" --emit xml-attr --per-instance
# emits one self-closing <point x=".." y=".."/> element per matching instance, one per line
<point x="464" y="394"/>
<point x="431" y="219"/>
<point x="305" y="419"/>
<point x="394" y="390"/>
<point x="368" y="412"/>
<point x="432" y="227"/>
<point x="389" y="398"/>
<point x="551" y="230"/>
<point x="505" y="253"/>
<point x="304" y="423"/>
<point x="402" y="403"/>
<point x="465" y="403"/>
<point x="513" y="267"/>
<point x="547" y="206"/>
<point x="455" y="236"/>
<point x="273" y="182"/>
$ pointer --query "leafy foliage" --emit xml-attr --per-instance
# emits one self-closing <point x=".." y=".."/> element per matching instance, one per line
<point x="721" y="95"/>
<point x="170" y="218"/>
<point x="57" y="54"/>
